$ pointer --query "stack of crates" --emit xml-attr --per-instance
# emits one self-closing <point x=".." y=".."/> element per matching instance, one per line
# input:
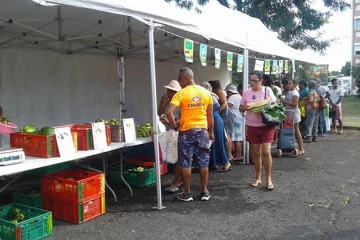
<point x="73" y="195"/>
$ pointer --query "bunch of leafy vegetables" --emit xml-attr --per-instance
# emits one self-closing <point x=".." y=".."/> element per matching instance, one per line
<point x="276" y="111"/>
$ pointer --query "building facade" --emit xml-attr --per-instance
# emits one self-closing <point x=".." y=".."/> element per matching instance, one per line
<point x="355" y="36"/>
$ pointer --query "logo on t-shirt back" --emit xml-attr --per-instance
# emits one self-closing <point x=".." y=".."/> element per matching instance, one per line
<point x="196" y="99"/>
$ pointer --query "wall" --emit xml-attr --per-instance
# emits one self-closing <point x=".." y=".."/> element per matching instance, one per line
<point x="138" y="83"/>
<point x="43" y="87"/>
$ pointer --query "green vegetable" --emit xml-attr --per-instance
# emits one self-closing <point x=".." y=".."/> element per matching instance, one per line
<point x="47" y="131"/>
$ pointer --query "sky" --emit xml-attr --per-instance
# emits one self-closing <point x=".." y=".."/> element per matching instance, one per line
<point x="340" y="26"/>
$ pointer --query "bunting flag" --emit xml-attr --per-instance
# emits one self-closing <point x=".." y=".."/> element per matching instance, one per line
<point x="229" y="61"/>
<point x="203" y="54"/>
<point x="267" y="66"/>
<point x="217" y="57"/>
<point x="275" y="67"/>
<point x="189" y="50"/>
<point x="240" y="63"/>
<point x="286" y="66"/>
<point x="259" y="65"/>
<point x="293" y="65"/>
<point x="281" y="66"/>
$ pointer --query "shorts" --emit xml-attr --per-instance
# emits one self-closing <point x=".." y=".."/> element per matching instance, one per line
<point x="194" y="143"/>
<point x="336" y="113"/>
<point x="294" y="116"/>
<point x="259" y="135"/>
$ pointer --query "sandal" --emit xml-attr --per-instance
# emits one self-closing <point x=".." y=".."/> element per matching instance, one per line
<point x="228" y="169"/>
<point x="237" y="158"/>
<point x="255" y="183"/>
<point x="172" y="190"/>
<point x="301" y="152"/>
<point x="270" y="186"/>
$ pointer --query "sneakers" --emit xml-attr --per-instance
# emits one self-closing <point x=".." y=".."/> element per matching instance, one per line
<point x="185" y="197"/>
<point x="205" y="196"/>
<point x="341" y="132"/>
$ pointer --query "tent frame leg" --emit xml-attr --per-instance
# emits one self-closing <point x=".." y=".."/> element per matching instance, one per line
<point x="245" y="87"/>
<point x="155" y="117"/>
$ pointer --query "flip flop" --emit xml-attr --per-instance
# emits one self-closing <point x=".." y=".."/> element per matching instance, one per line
<point x="223" y="169"/>
<point x="172" y="190"/>
<point x="255" y="183"/>
<point x="270" y="187"/>
<point x="301" y="152"/>
<point x="238" y="159"/>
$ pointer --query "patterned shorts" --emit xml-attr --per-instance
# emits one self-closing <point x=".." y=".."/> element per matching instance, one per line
<point x="194" y="143"/>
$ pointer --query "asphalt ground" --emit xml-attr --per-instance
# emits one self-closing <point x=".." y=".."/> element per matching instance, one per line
<point x="316" y="196"/>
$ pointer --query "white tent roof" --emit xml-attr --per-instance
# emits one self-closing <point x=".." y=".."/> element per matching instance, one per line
<point x="82" y="29"/>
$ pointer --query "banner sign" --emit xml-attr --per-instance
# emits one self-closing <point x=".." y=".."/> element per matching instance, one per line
<point x="189" y="50"/>
<point x="229" y="61"/>
<point x="203" y="54"/>
<point x="240" y="63"/>
<point x="281" y="66"/>
<point x="217" y="57"/>
<point x="275" y="67"/>
<point x="267" y="66"/>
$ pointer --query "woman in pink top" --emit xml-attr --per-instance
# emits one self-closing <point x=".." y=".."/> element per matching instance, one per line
<point x="259" y="135"/>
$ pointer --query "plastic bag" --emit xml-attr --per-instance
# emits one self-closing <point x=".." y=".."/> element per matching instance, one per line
<point x="169" y="146"/>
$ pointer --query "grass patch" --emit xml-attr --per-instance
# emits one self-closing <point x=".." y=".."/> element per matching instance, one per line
<point x="351" y="111"/>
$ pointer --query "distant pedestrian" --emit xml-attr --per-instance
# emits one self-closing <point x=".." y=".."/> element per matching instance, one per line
<point x="196" y="130"/>
<point x="324" y="93"/>
<point x="336" y="95"/>
<point x="312" y="113"/>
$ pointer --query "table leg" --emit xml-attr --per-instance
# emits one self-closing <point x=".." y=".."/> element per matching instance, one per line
<point x="106" y="184"/>
<point x="121" y="173"/>
<point x="9" y="183"/>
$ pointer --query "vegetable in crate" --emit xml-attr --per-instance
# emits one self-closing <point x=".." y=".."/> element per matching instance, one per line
<point x="16" y="216"/>
<point x="29" y="129"/>
<point x="144" y="130"/>
<point x="47" y="131"/>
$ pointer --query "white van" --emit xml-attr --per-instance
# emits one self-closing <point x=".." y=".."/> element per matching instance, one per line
<point x="345" y="83"/>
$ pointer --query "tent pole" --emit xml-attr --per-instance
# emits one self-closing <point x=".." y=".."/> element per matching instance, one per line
<point x="292" y="69"/>
<point x="155" y="115"/>
<point x="121" y="71"/>
<point x="245" y="87"/>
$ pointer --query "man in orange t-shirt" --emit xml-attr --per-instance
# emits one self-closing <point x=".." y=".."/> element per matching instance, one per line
<point x="196" y="130"/>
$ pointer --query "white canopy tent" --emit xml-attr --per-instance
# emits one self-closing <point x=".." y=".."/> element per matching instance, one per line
<point x="35" y="89"/>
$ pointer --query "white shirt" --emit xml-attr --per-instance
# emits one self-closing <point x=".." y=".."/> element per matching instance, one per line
<point x="335" y="95"/>
<point x="323" y="90"/>
<point x="235" y="101"/>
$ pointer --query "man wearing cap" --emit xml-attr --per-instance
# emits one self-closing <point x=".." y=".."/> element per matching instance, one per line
<point x="196" y="130"/>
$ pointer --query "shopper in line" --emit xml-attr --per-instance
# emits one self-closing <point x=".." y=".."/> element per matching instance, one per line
<point x="336" y="95"/>
<point x="312" y="113"/>
<point x="237" y="137"/>
<point x="259" y="135"/>
<point x="324" y="93"/>
<point x="171" y="89"/>
<point x="225" y="113"/>
<point x="218" y="153"/>
<point x="196" y="130"/>
<point x="291" y="103"/>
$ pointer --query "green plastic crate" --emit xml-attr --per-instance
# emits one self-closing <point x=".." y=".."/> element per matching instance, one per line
<point x="133" y="178"/>
<point x="37" y="223"/>
<point x="27" y="198"/>
<point x="50" y="169"/>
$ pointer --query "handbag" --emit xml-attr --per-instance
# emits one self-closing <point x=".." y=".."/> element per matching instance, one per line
<point x="269" y="120"/>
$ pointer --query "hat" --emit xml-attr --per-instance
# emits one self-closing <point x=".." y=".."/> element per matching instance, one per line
<point x="173" y="85"/>
<point x="231" y="88"/>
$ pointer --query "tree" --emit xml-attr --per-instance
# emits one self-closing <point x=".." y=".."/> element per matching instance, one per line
<point x="355" y="72"/>
<point x="293" y="20"/>
<point x="346" y="69"/>
<point x="335" y="73"/>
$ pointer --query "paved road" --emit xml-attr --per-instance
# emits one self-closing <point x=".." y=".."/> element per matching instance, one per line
<point x="316" y="197"/>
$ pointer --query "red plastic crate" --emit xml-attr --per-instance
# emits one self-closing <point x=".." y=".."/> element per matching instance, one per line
<point x="35" y="145"/>
<point x="75" y="212"/>
<point x="84" y="135"/>
<point x="147" y="162"/>
<point x="73" y="186"/>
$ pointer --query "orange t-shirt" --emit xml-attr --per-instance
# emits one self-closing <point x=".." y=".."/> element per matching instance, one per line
<point x="193" y="102"/>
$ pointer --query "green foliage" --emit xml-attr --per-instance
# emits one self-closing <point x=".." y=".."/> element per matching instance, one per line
<point x="293" y="20"/>
<point x="355" y="72"/>
<point x="335" y="73"/>
<point x="346" y="69"/>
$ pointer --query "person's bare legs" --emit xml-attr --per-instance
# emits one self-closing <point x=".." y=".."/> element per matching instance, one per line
<point x="267" y="161"/>
<point x="204" y="177"/>
<point x="229" y="147"/>
<point x="299" y="137"/>
<point x="256" y="158"/>
<point x="177" y="177"/>
<point x="238" y="149"/>
<point x="334" y="125"/>
<point x="186" y="177"/>
<point x="340" y="124"/>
